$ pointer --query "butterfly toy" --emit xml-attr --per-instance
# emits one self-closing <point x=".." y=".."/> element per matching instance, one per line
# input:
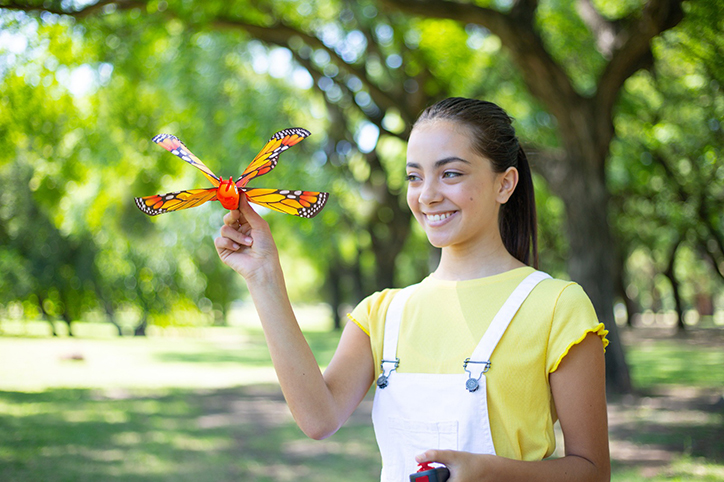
<point x="306" y="204"/>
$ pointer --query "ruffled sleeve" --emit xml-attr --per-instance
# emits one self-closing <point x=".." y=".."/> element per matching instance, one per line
<point x="369" y="313"/>
<point x="574" y="318"/>
<point x="364" y="327"/>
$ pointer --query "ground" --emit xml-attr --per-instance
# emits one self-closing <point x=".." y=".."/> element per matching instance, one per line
<point x="202" y="405"/>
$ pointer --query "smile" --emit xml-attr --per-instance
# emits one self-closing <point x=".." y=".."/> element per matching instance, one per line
<point x="433" y="218"/>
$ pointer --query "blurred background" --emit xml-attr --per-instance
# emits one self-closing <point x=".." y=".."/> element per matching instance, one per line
<point x="129" y="352"/>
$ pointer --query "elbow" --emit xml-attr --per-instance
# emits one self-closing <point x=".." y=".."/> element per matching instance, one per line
<point x="319" y="430"/>
<point x="603" y="469"/>
<point x="596" y="471"/>
<point x="318" y="433"/>
<point x="602" y="472"/>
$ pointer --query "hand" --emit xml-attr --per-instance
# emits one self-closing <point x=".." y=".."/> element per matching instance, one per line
<point x="463" y="466"/>
<point x="246" y="243"/>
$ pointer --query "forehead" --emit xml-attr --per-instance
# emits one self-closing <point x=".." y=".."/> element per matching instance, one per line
<point x="440" y="138"/>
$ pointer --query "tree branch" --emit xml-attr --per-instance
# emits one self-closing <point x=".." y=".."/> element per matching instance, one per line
<point x="704" y="212"/>
<point x="603" y="30"/>
<point x="544" y="77"/>
<point x="56" y="7"/>
<point x="633" y="48"/>
<point x="281" y="34"/>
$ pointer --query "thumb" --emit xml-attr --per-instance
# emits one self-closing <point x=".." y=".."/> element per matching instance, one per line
<point x="445" y="457"/>
<point x="248" y="213"/>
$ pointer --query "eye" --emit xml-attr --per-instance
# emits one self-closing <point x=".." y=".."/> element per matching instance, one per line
<point x="451" y="174"/>
<point x="412" y="177"/>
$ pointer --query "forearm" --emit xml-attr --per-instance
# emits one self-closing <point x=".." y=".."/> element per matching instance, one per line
<point x="469" y="467"/>
<point x="320" y="404"/>
<point x="305" y="390"/>
<point x="571" y="468"/>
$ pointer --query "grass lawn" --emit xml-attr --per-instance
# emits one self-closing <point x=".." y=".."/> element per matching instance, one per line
<point x="203" y="405"/>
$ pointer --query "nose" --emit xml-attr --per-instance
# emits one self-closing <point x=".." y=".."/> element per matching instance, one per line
<point x="429" y="193"/>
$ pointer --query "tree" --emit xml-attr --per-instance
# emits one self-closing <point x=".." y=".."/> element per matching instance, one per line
<point x="377" y="67"/>
<point x="666" y="164"/>
<point x="580" y="91"/>
<point x="72" y="239"/>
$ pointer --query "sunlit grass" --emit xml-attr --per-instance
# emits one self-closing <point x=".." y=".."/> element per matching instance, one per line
<point x="193" y="358"/>
<point x="674" y="362"/>
<point x="203" y="405"/>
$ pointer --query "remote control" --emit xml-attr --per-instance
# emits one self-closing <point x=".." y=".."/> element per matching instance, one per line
<point x="428" y="473"/>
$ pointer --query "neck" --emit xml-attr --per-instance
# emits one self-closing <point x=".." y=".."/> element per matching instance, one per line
<point x="458" y="264"/>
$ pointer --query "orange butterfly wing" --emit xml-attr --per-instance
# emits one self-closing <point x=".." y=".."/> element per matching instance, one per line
<point x="269" y="155"/>
<point x="174" y="201"/>
<point x="306" y="204"/>
<point x="173" y="145"/>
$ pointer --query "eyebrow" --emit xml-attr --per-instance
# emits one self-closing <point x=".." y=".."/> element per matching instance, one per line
<point x="440" y="163"/>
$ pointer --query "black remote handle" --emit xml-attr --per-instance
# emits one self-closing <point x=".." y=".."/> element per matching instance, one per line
<point x="436" y="474"/>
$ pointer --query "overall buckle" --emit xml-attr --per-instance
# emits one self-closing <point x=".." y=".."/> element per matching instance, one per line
<point x="472" y="384"/>
<point x="383" y="379"/>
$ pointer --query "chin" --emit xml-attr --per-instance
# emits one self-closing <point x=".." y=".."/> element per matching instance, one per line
<point x="438" y="243"/>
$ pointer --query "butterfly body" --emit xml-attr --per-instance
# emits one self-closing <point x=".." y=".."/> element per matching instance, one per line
<point x="305" y="204"/>
<point x="228" y="194"/>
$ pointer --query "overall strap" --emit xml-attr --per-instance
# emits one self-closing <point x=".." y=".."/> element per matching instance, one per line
<point x="479" y="361"/>
<point x="392" y="333"/>
<point x="503" y="318"/>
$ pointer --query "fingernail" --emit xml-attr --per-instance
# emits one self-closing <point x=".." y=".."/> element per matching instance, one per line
<point x="235" y="246"/>
<point x="248" y="240"/>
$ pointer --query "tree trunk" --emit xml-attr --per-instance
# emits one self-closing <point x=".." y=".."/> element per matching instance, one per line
<point x="671" y="275"/>
<point x="68" y="321"/>
<point x="334" y="279"/>
<point x="111" y="317"/>
<point x="47" y="317"/>
<point x="592" y="261"/>
<point x="620" y="290"/>
<point x="140" y="329"/>
<point x="591" y="264"/>
<point x="389" y="227"/>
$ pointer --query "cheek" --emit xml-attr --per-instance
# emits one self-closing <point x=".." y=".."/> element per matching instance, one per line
<point x="411" y="199"/>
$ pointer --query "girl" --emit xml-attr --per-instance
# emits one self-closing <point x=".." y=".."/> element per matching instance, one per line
<point x="473" y="365"/>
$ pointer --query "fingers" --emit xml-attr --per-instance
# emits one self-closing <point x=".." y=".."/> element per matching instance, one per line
<point x="224" y="243"/>
<point x="239" y="227"/>
<point x="232" y="218"/>
<point x="234" y="233"/>
<point x="440" y="456"/>
<point x="236" y="236"/>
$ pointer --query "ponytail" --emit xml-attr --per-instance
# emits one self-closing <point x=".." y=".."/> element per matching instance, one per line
<point x="517" y="220"/>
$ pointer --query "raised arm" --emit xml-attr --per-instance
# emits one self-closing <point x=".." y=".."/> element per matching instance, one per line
<point x="320" y="403"/>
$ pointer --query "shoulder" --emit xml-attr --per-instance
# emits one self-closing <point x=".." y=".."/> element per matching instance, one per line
<point x="564" y="304"/>
<point x="567" y="297"/>
<point x="564" y="292"/>
<point x="371" y="311"/>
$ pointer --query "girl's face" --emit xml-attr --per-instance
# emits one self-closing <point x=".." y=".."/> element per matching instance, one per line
<point x="453" y="191"/>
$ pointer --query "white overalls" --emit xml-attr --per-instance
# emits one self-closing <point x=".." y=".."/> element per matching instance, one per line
<point x="415" y="412"/>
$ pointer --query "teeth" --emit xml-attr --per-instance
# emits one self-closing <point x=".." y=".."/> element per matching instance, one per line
<point x="437" y="217"/>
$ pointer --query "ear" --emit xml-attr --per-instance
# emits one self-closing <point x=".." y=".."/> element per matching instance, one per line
<point x="507" y="181"/>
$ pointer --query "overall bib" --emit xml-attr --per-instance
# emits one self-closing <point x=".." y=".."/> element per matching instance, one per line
<point x="414" y="412"/>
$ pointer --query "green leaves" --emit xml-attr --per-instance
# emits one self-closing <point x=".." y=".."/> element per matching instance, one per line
<point x="82" y="94"/>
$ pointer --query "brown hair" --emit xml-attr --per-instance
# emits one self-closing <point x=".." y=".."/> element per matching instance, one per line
<point x="495" y="139"/>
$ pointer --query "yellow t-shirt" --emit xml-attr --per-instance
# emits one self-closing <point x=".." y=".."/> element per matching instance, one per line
<point x="443" y="322"/>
